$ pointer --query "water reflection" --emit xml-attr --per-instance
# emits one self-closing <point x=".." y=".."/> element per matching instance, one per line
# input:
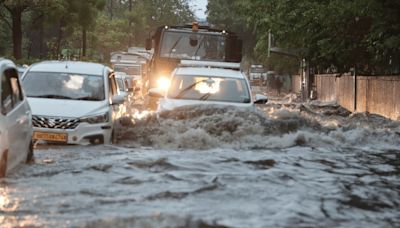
<point x="7" y="204"/>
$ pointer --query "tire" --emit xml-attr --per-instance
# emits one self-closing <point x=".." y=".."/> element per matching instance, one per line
<point x="29" y="157"/>
<point x="3" y="164"/>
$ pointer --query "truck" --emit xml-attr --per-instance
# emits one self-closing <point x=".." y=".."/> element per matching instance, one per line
<point x="133" y="63"/>
<point x="171" y="44"/>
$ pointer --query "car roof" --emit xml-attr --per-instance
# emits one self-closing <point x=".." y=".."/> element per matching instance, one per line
<point x="6" y="63"/>
<point x="209" y="71"/>
<point x="68" y="67"/>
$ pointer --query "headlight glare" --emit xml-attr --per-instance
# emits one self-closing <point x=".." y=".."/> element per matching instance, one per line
<point x="163" y="83"/>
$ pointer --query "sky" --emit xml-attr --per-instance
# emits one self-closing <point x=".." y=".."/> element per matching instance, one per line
<point x="199" y="7"/>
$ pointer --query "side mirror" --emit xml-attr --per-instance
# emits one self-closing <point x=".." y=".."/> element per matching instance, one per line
<point x="130" y="90"/>
<point x="118" y="99"/>
<point x="137" y="89"/>
<point x="156" y="92"/>
<point x="260" y="99"/>
<point x="148" y="44"/>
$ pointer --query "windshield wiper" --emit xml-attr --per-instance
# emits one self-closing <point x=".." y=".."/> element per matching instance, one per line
<point x="173" y="46"/>
<point x="185" y="90"/>
<point x="205" y="97"/>
<point x="52" y="96"/>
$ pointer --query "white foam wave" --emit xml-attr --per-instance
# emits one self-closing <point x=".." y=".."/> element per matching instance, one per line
<point x="278" y="127"/>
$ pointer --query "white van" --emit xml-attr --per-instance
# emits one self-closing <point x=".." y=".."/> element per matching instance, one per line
<point x="73" y="102"/>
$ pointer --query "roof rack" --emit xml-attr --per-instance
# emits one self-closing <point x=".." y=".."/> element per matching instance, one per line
<point x="196" y="63"/>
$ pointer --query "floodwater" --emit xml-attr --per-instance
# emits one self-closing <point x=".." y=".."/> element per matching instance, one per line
<point x="286" y="164"/>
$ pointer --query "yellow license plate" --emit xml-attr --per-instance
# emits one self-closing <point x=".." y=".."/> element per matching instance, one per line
<point x="56" y="137"/>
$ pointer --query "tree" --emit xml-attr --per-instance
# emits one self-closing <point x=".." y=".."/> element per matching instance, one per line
<point x="16" y="8"/>
<point x="229" y="17"/>
<point x="338" y="33"/>
<point x="43" y="28"/>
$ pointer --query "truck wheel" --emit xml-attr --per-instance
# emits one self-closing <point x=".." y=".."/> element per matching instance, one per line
<point x="3" y="164"/>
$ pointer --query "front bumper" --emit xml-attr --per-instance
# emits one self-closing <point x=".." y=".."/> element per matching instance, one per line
<point x="84" y="133"/>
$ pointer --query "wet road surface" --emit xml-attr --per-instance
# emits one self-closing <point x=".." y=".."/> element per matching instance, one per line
<point x="287" y="165"/>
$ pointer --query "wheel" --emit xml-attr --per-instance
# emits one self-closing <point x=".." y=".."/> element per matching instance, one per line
<point x="29" y="157"/>
<point x="3" y="164"/>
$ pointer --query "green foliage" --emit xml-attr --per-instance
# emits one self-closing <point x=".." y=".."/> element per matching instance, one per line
<point x="51" y="26"/>
<point x="229" y="17"/>
<point x="336" y="33"/>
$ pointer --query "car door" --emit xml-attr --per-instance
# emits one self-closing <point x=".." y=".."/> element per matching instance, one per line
<point x="17" y="115"/>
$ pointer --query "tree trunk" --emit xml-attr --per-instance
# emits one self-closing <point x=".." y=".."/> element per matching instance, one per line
<point x="84" y="43"/>
<point x="111" y="9"/>
<point x="16" y="14"/>
<point x="130" y="25"/>
<point x="59" y="38"/>
<point x="41" y="40"/>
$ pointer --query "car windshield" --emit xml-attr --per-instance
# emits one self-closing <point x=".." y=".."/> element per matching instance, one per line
<point x="182" y="45"/>
<point x="64" y="86"/>
<point x="129" y="70"/>
<point x="209" y="88"/>
<point x="121" y="85"/>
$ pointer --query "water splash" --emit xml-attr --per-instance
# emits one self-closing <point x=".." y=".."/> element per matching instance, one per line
<point x="278" y="125"/>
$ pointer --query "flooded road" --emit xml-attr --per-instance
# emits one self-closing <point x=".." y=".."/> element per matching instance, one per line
<point x="287" y="164"/>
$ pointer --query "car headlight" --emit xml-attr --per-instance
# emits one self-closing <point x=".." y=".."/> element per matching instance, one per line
<point x="96" y="118"/>
<point x="163" y="83"/>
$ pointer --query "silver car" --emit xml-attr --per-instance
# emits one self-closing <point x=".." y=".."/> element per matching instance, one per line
<point x="15" y="120"/>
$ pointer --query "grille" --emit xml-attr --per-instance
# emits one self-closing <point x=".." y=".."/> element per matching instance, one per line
<point x="54" y="122"/>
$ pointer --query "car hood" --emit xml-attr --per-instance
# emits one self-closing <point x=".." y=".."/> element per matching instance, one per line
<point x="169" y="104"/>
<point x="66" y="108"/>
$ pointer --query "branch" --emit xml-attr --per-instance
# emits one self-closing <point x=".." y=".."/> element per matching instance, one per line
<point x="4" y="17"/>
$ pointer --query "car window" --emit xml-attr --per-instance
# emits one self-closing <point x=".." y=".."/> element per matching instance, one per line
<point x="15" y="86"/>
<point x="57" y="85"/>
<point x="120" y="84"/>
<point x="112" y="84"/>
<point x="11" y="94"/>
<point x="6" y="95"/>
<point x="129" y="70"/>
<point x="209" y="88"/>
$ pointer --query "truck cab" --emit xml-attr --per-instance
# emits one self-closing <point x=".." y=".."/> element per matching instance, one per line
<point x="171" y="44"/>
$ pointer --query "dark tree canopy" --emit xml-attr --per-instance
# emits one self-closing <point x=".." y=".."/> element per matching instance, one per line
<point x="52" y="29"/>
<point x="336" y="34"/>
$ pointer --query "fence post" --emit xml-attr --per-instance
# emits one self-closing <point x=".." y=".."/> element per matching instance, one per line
<point x="366" y="95"/>
<point x="355" y="89"/>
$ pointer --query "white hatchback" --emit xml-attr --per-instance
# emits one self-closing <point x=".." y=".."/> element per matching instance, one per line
<point x="203" y="82"/>
<point x="15" y="120"/>
<point x="73" y="102"/>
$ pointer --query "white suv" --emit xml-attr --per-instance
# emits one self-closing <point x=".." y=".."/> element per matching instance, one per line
<point x="204" y="83"/>
<point x="15" y="120"/>
<point x="73" y="102"/>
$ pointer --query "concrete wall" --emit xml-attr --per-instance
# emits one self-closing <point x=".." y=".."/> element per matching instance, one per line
<point x="375" y="94"/>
